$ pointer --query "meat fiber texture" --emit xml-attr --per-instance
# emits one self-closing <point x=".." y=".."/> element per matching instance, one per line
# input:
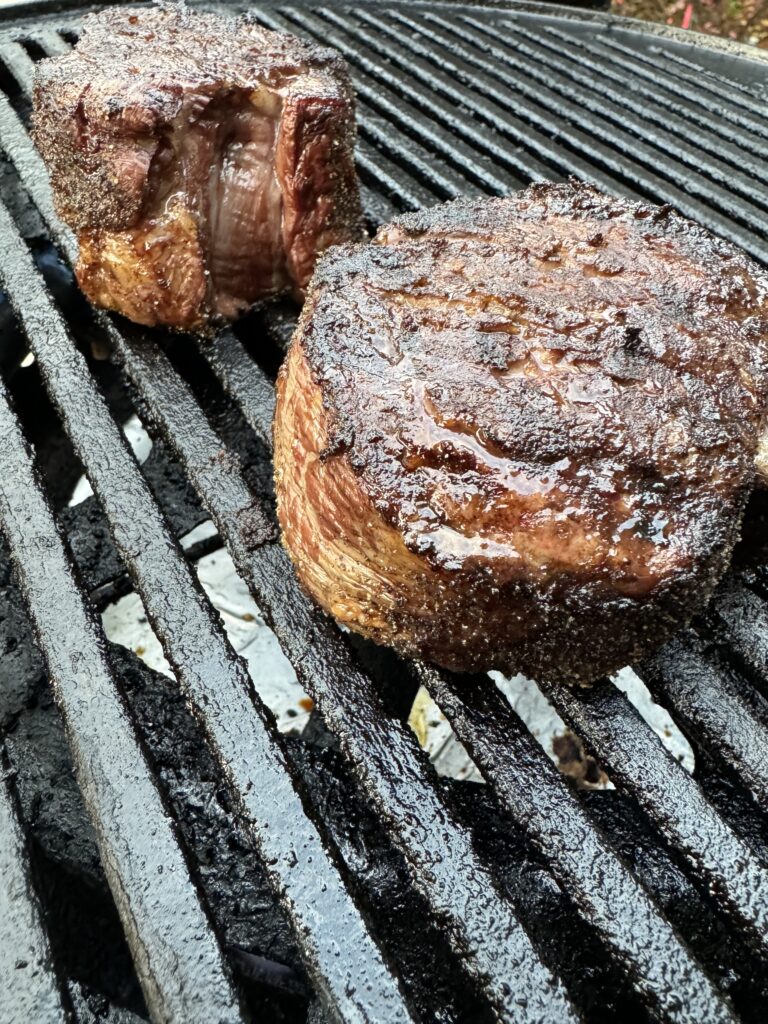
<point x="519" y="434"/>
<point x="202" y="160"/>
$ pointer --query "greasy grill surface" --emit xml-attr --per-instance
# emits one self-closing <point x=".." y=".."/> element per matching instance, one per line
<point x="452" y="101"/>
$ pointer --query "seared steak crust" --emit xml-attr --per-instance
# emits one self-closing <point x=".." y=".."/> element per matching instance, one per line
<point x="519" y="433"/>
<point x="203" y="161"/>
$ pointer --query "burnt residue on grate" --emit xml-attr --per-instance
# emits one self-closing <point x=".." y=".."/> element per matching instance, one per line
<point x="459" y="100"/>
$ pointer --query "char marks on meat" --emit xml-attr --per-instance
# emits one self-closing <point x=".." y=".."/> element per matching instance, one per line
<point x="203" y="161"/>
<point x="519" y="433"/>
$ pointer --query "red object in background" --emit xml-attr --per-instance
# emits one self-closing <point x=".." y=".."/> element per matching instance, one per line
<point x="687" y="16"/>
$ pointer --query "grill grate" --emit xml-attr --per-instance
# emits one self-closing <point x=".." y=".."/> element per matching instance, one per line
<point x="453" y="100"/>
<point x="138" y="848"/>
<point x="24" y="950"/>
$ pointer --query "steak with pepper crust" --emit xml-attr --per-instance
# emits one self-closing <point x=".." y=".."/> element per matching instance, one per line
<point x="203" y="161"/>
<point x="519" y="433"/>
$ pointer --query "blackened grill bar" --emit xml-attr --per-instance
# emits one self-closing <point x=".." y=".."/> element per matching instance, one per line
<point x="704" y="696"/>
<point x="180" y="962"/>
<point x="692" y="120"/>
<point x="18" y="61"/>
<point x="715" y="89"/>
<point x="698" y="103"/>
<point x="29" y="988"/>
<point x="378" y="167"/>
<point x="634" y="756"/>
<point x="50" y="41"/>
<point x="422" y="162"/>
<point x="744" y="617"/>
<point x="535" y="794"/>
<point x="410" y="108"/>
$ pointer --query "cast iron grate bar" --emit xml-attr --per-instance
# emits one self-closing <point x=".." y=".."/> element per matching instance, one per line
<point x="692" y="71"/>
<point x="440" y="177"/>
<point x="744" y="616"/>
<point x="481" y="927"/>
<point x="178" y="960"/>
<point x="48" y="39"/>
<point x="18" y="62"/>
<point x="756" y="577"/>
<point x="626" y="745"/>
<point x="29" y="988"/>
<point x="664" y="89"/>
<point x="705" y="699"/>
<point x="666" y="136"/>
<point x="535" y="794"/>
<point x="244" y="382"/>
<point x="397" y="182"/>
<point x="340" y="954"/>
<point x="725" y="102"/>
<point x="608" y="142"/>
<point x="388" y="132"/>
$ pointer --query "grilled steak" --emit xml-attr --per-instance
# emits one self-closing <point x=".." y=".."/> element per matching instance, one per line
<point x="519" y="433"/>
<point x="203" y="161"/>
